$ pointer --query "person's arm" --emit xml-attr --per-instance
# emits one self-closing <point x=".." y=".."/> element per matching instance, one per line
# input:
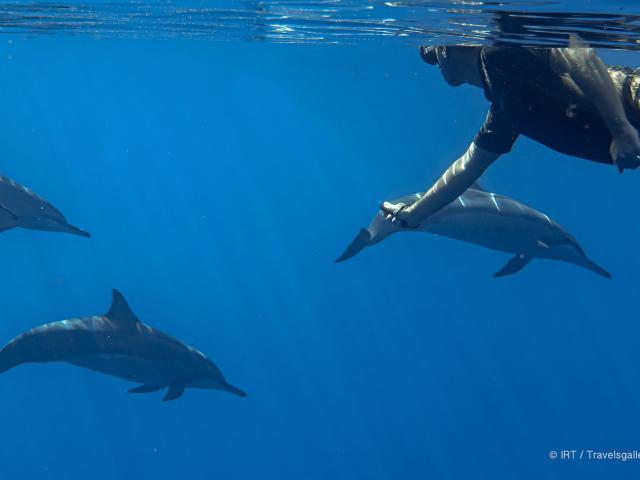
<point x="495" y="137"/>
<point x="591" y="75"/>
<point x="453" y="183"/>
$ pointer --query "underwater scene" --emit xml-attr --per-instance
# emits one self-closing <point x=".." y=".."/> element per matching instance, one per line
<point x="328" y="239"/>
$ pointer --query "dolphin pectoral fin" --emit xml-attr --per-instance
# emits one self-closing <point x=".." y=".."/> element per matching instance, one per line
<point x="145" y="389"/>
<point x="231" y="389"/>
<point x="362" y="240"/>
<point x="514" y="265"/>
<point x="175" y="391"/>
<point x="7" y="210"/>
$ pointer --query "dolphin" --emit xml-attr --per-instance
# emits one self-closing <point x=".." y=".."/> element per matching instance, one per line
<point x="21" y="207"/>
<point x="492" y="221"/>
<point x="120" y="345"/>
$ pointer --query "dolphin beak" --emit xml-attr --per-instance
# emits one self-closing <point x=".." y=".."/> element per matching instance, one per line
<point x="595" y="268"/>
<point x="231" y="389"/>
<point x="76" y="231"/>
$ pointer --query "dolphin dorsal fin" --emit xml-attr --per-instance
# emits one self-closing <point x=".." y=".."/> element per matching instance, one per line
<point x="120" y="312"/>
<point x="477" y="186"/>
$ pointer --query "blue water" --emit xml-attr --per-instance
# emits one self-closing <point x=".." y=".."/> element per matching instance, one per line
<point x="219" y="181"/>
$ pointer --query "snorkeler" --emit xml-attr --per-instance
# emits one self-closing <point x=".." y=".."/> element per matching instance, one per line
<point x="564" y="98"/>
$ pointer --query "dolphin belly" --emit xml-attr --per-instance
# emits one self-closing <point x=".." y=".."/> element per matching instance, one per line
<point x="505" y="233"/>
<point x="136" y="369"/>
<point x="125" y="355"/>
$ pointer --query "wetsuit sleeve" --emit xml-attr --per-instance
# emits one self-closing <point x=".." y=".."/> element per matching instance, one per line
<point x="497" y="133"/>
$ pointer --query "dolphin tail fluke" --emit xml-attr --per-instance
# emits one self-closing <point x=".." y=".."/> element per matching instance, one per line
<point x="231" y="389"/>
<point x="77" y="231"/>
<point x="8" y="358"/>
<point x="595" y="268"/>
<point x="362" y="240"/>
<point x="4" y="365"/>
<point x="4" y="368"/>
<point x="514" y="265"/>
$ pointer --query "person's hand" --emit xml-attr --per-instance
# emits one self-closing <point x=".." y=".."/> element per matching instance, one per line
<point x="625" y="149"/>
<point x="398" y="214"/>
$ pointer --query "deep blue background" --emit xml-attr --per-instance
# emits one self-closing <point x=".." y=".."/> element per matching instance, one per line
<point x="219" y="182"/>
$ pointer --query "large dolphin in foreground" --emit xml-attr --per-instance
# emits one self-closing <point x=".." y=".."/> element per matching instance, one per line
<point x="20" y="207"/>
<point x="118" y="344"/>
<point x="492" y="221"/>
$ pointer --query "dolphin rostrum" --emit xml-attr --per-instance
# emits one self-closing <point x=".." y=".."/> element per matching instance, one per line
<point x="119" y="344"/>
<point x="20" y="207"/>
<point x="492" y="221"/>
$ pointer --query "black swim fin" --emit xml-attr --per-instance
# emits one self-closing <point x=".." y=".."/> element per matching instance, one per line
<point x="514" y="265"/>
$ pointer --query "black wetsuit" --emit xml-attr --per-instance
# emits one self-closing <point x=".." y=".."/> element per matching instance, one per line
<point x="527" y="97"/>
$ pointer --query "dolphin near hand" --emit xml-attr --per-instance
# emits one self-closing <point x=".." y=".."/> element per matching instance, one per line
<point x="492" y="221"/>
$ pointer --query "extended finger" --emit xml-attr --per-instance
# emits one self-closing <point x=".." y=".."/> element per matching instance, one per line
<point x="387" y="207"/>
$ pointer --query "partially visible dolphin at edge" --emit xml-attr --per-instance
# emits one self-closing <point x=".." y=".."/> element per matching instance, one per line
<point x="492" y="221"/>
<point x="120" y="345"/>
<point x="21" y="207"/>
